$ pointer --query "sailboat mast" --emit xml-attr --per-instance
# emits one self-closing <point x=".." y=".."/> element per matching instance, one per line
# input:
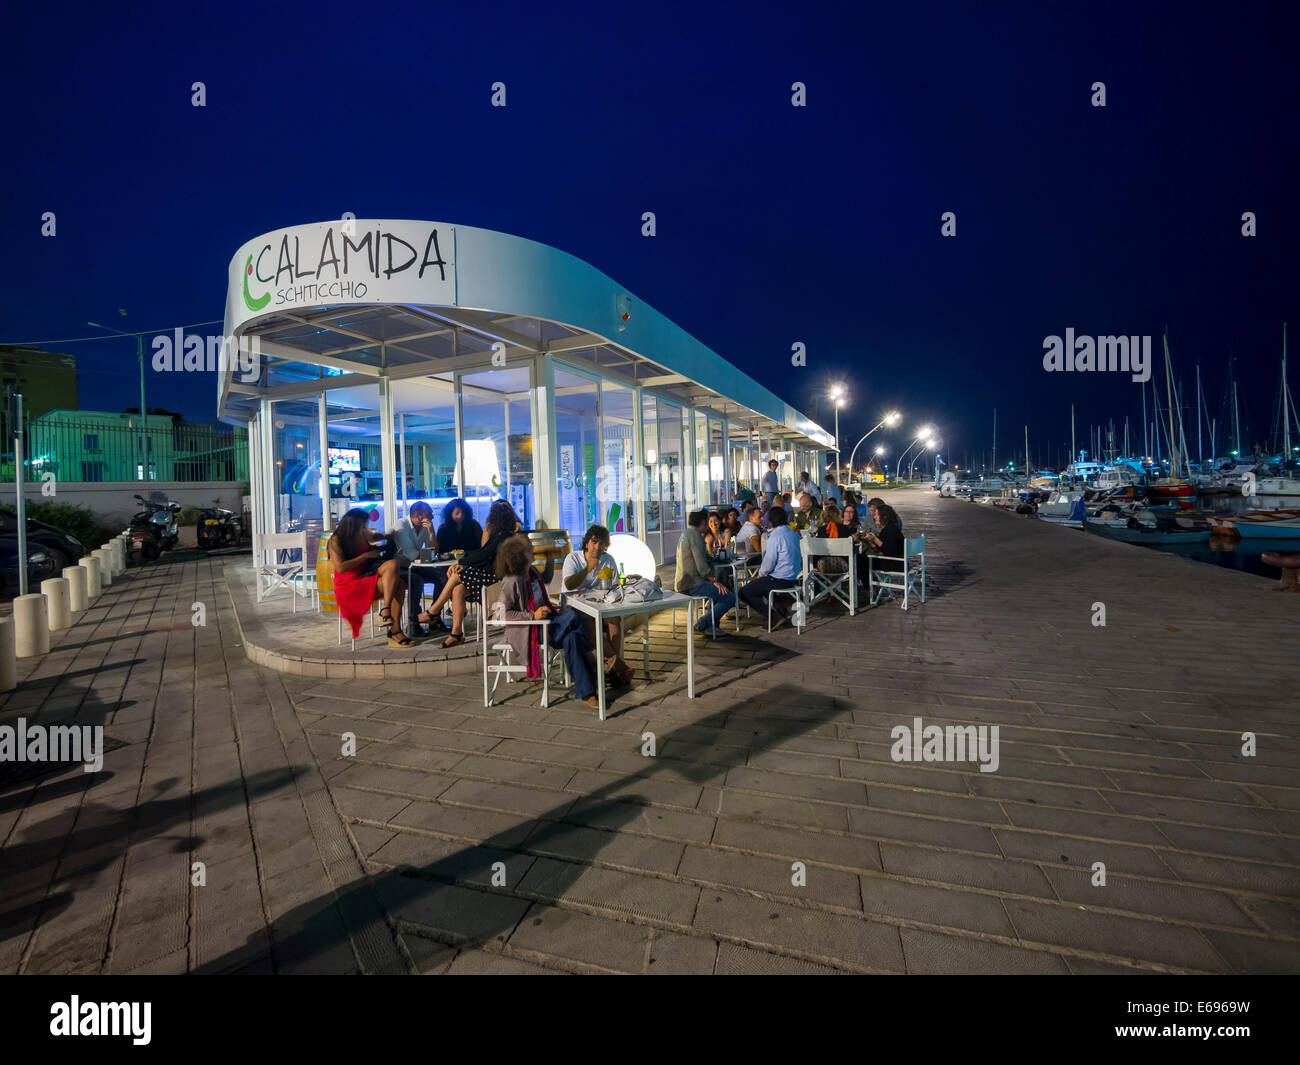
<point x="995" y="438"/>
<point x="1146" y="444"/>
<point x="1169" y="395"/>
<point x="1286" y="406"/>
<point x="1200" y="454"/>
<point x="1236" y="417"/>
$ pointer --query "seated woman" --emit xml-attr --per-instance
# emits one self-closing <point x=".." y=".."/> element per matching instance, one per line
<point x="849" y="519"/>
<point x="888" y="543"/>
<point x="475" y="571"/>
<point x="357" y="572"/>
<point x="832" y="528"/>
<point x="715" y="536"/>
<point x="732" y="522"/>
<point x="459" y="531"/>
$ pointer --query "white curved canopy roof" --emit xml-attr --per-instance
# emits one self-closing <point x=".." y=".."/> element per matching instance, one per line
<point x="337" y="304"/>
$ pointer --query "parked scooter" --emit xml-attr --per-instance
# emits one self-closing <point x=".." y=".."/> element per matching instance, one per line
<point x="218" y="527"/>
<point x="154" y="529"/>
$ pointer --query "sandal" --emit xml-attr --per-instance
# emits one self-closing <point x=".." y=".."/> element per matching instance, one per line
<point x="399" y="639"/>
<point x="452" y="640"/>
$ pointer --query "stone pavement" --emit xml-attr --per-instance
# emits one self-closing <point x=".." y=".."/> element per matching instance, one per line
<point x="515" y="839"/>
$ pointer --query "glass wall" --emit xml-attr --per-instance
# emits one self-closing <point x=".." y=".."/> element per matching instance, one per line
<point x="717" y="463"/>
<point x="577" y="438"/>
<point x="701" y="462"/>
<point x="296" y="469"/>
<point x="741" y="470"/>
<point x="497" y="441"/>
<point x="619" y="466"/>
<point x="649" y="479"/>
<point x="425" y="421"/>
<point x="672" y="476"/>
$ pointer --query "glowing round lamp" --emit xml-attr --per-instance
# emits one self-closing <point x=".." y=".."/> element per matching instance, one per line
<point x="632" y="555"/>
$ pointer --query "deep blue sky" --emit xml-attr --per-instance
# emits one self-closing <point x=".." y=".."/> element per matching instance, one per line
<point x="775" y="224"/>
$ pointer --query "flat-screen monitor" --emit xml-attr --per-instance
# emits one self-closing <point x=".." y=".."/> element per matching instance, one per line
<point x="344" y="460"/>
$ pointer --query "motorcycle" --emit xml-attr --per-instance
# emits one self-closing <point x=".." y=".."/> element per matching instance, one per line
<point x="218" y="527"/>
<point x="154" y="529"/>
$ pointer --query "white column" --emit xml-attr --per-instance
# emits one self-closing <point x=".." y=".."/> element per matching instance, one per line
<point x="546" y="500"/>
<point x="76" y="578"/>
<point x="270" y="483"/>
<point x="31" y="626"/>
<point x="401" y="464"/>
<point x="386" y="440"/>
<point x="322" y="415"/>
<point x="105" y="567"/>
<point x="58" y="602"/>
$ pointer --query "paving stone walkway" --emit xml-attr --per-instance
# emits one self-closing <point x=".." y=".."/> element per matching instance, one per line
<point x="516" y="839"/>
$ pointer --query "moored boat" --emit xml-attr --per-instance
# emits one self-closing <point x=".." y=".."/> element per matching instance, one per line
<point x="1259" y="525"/>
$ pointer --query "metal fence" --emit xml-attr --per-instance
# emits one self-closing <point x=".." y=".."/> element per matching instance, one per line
<point x="111" y="447"/>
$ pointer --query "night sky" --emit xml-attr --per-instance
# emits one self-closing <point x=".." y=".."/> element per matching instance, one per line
<point x="776" y="224"/>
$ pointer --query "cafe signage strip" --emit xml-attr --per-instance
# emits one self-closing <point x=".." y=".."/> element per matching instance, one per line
<point x="341" y="263"/>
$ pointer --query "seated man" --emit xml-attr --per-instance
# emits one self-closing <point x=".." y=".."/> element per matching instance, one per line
<point x="695" y="575"/>
<point x="581" y="571"/>
<point x="409" y="535"/>
<point x="749" y="540"/>
<point x="782" y="568"/>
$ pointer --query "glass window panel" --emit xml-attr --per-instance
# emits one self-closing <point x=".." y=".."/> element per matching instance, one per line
<point x="618" y="471"/>
<point x="497" y="441"/>
<point x="717" y="464"/>
<point x="701" y="461"/>
<point x="671" y="475"/>
<point x="296" y="466"/>
<point x="577" y="440"/>
<point x="650" y="465"/>
<point x="424" y="411"/>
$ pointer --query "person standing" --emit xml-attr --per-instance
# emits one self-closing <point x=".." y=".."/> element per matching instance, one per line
<point x="831" y="493"/>
<point x="771" y="484"/>
<point x="782" y="567"/>
<point x="695" y="575"/>
<point x="808" y="485"/>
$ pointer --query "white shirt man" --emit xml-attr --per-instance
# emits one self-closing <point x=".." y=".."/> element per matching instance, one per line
<point x="577" y="563"/>
<point x="750" y="534"/>
<point x="807" y="485"/>
<point x="832" y="492"/>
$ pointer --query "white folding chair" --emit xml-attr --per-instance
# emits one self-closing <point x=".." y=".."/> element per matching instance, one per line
<point x="271" y="570"/>
<point x="494" y="620"/>
<point x="910" y="580"/>
<point x="823" y="584"/>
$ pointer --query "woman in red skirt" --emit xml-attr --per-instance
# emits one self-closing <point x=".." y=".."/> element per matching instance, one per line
<point x="358" y="571"/>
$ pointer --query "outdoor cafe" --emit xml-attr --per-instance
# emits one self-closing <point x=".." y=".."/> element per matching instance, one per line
<point x="403" y="360"/>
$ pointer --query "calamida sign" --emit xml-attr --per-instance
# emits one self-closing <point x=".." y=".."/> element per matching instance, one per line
<point x="351" y="261"/>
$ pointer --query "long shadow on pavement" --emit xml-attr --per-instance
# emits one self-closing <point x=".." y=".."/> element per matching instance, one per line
<point x="437" y="891"/>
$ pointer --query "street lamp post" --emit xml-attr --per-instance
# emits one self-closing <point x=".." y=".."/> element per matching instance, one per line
<point x="929" y="446"/>
<point x="889" y="419"/>
<point x="920" y="437"/>
<point x="837" y="394"/>
<point x="139" y="351"/>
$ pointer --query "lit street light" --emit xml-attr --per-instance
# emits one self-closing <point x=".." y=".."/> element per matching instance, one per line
<point x="889" y="419"/>
<point x="839" y="395"/>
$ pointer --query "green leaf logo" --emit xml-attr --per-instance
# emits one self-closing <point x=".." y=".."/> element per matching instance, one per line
<point x="249" y="302"/>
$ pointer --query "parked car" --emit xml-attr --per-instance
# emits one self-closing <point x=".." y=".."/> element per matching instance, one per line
<point x="40" y="566"/>
<point x="63" y="548"/>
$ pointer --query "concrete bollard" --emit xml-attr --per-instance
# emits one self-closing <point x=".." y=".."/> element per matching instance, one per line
<point x="31" y="626"/>
<point x="91" y="565"/>
<point x="58" y="603"/>
<point x="105" y="567"/>
<point x="8" y="664"/>
<point x="110" y="550"/>
<point x="119" y="545"/>
<point x="76" y="578"/>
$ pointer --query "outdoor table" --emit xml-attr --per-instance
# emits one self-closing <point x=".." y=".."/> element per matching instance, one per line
<point x="589" y="603"/>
